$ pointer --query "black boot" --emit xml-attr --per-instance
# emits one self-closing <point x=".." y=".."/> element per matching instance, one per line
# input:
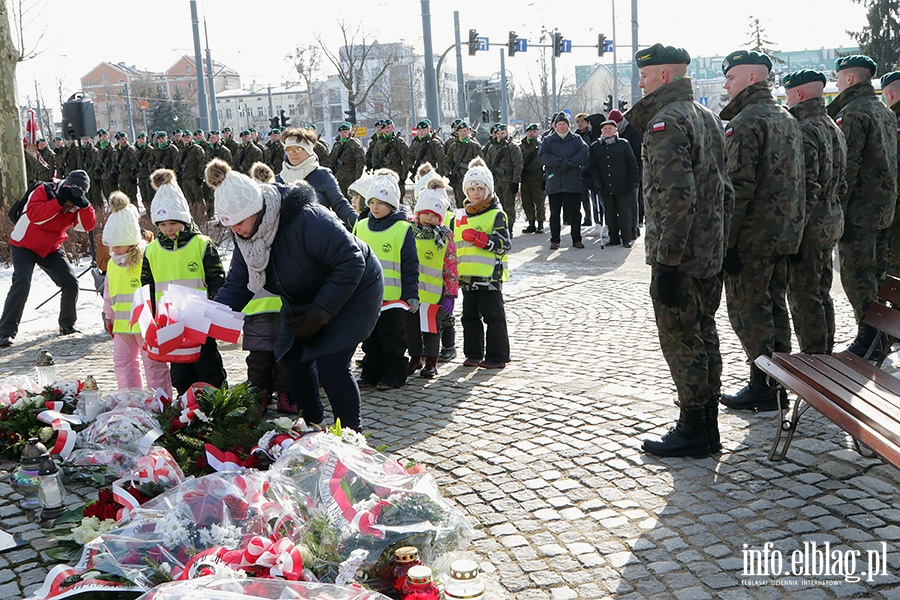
<point x="688" y="438"/>
<point x="756" y="396"/>
<point x="530" y="229"/>
<point x="712" y="425"/>
<point x="865" y="336"/>
<point x="540" y="228"/>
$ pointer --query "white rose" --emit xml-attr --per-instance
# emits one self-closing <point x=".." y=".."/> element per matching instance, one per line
<point x="45" y="433"/>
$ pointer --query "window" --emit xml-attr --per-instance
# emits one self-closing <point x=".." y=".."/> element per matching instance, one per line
<point x="259" y="112"/>
<point x="187" y="70"/>
<point x="335" y="112"/>
<point x="334" y="96"/>
<point x="228" y="113"/>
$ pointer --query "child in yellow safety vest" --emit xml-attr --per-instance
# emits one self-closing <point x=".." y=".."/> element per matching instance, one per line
<point x="181" y="255"/>
<point x="388" y="233"/>
<point x="438" y="276"/>
<point x="482" y="242"/>
<point x="122" y="233"/>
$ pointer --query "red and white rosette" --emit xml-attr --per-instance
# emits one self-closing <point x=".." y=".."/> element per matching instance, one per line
<point x="156" y="467"/>
<point x="62" y="425"/>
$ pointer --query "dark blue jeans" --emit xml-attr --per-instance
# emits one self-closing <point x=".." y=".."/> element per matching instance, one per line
<point x="333" y="371"/>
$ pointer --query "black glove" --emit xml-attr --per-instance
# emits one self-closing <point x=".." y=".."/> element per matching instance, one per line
<point x="732" y="263"/>
<point x="513" y="189"/>
<point x="667" y="285"/>
<point x="308" y="323"/>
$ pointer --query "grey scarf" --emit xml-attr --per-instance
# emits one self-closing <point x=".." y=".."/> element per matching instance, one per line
<point x="257" y="247"/>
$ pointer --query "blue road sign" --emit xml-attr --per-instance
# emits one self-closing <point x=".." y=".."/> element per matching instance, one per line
<point x="521" y="44"/>
<point x="483" y="43"/>
<point x="567" y="45"/>
<point x="568" y="113"/>
<point x="704" y="100"/>
<point x="608" y="45"/>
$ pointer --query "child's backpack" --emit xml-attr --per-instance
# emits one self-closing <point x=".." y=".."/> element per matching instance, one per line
<point x="18" y="207"/>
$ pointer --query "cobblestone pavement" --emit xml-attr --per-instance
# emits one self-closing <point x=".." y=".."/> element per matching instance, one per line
<point x="544" y="455"/>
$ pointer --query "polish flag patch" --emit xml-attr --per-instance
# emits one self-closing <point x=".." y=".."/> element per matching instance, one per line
<point x="839" y="120"/>
<point x="661" y="126"/>
<point x="729" y="131"/>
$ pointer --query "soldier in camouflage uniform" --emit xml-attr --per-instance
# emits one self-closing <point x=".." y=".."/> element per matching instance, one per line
<point x="890" y="91"/>
<point x="321" y="147"/>
<point x="451" y="141"/>
<point x="504" y="159"/>
<point x="247" y="154"/>
<point x="177" y="139"/>
<point x="61" y="151"/>
<point x="166" y="153"/>
<point x="688" y="201"/>
<point x="870" y="129"/>
<point x="764" y="147"/>
<point x="425" y="148"/>
<point x="126" y="166"/>
<point x="86" y="158"/>
<point x="48" y="155"/>
<point x="374" y="142"/>
<point x="146" y="160"/>
<point x="391" y="152"/>
<point x="534" y="198"/>
<point x="201" y="141"/>
<point x="104" y="168"/>
<point x="274" y="155"/>
<point x="457" y="158"/>
<point x="229" y="142"/>
<point x="218" y="149"/>
<point x="810" y="271"/>
<point x="348" y="159"/>
<point x="191" y="162"/>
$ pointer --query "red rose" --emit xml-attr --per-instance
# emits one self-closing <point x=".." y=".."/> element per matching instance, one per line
<point x="237" y="507"/>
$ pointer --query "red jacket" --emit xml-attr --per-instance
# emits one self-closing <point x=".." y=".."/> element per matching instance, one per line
<point x="43" y="227"/>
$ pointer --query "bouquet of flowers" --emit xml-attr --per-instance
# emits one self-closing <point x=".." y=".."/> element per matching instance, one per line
<point x="225" y="588"/>
<point x="47" y="415"/>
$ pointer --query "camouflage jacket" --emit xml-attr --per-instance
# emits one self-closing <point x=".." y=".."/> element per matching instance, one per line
<point x="86" y="158"/>
<point x="166" y="156"/>
<point x="532" y="169"/>
<point x="457" y="157"/>
<point x="870" y="129"/>
<point x="106" y="161"/>
<point x="274" y="155"/>
<point x="232" y="145"/>
<point x="504" y="159"/>
<point x="247" y="154"/>
<point x="764" y="154"/>
<point x="191" y="164"/>
<point x="146" y="159"/>
<point x="448" y="145"/>
<point x="62" y="161"/>
<point x="421" y="151"/>
<point x="896" y="109"/>
<point x="126" y="163"/>
<point x="322" y="150"/>
<point x="824" y="218"/>
<point x="374" y="141"/>
<point x="390" y="154"/>
<point x="687" y="194"/>
<point x="220" y="150"/>
<point x="347" y="159"/>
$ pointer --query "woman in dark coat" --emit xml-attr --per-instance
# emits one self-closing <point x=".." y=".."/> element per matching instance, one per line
<point x="565" y="155"/>
<point x="330" y="283"/>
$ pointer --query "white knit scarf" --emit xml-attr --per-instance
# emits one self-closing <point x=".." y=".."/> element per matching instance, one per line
<point x="293" y="174"/>
<point x="256" y="249"/>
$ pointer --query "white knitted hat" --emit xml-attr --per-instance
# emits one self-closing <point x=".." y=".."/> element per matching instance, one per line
<point x="361" y="186"/>
<point x="169" y="203"/>
<point x="422" y="182"/>
<point x="383" y="187"/>
<point x="237" y="198"/>
<point x="479" y="174"/>
<point x="122" y="227"/>
<point x="434" y="199"/>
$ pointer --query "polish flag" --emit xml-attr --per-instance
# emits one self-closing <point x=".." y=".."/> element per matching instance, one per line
<point x="32" y="130"/>
<point x="428" y="318"/>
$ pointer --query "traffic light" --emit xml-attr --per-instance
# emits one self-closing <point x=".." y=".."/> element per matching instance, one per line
<point x="557" y="44"/>
<point x="284" y="120"/>
<point x="351" y="113"/>
<point x="601" y="45"/>
<point x="608" y="105"/>
<point x="623" y="105"/>
<point x="273" y="122"/>
<point x="496" y="115"/>
<point x="473" y="41"/>
<point x="512" y="43"/>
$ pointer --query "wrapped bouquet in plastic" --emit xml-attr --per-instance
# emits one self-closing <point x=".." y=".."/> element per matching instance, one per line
<point x="224" y="588"/>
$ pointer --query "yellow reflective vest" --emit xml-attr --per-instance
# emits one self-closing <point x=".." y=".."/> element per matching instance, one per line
<point x="122" y="282"/>
<point x="431" y="271"/>
<point x="386" y="245"/>
<point x="263" y="302"/>
<point x="179" y="266"/>
<point x="474" y="261"/>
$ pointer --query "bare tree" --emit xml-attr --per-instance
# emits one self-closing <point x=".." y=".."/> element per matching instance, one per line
<point x="536" y="98"/>
<point x="352" y="58"/>
<point x="307" y="61"/>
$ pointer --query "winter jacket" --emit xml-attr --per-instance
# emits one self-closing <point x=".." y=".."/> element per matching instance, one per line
<point x="43" y="227"/>
<point x="347" y="160"/>
<point x="613" y="169"/>
<point x="329" y="194"/>
<point x="564" y="159"/>
<point x="870" y="129"/>
<point x="409" y="256"/>
<point x="213" y="271"/>
<point x="314" y="260"/>
<point x="629" y="133"/>
<point x="422" y="150"/>
<point x="532" y="169"/>
<point x="764" y="155"/>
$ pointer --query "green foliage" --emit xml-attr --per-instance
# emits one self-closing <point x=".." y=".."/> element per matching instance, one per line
<point x="168" y="114"/>
<point x="880" y="37"/>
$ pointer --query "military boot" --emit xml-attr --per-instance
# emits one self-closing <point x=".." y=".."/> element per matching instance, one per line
<point x="712" y="425"/>
<point x="530" y="229"/>
<point x="865" y="337"/>
<point x="687" y="438"/>
<point x="756" y="396"/>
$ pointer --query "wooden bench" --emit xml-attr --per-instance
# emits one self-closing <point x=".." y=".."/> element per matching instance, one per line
<point x="853" y="393"/>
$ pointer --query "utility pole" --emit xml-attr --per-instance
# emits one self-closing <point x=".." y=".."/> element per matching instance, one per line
<point x="211" y="80"/>
<point x="431" y="89"/>
<point x="271" y="107"/>
<point x="504" y="100"/>
<point x="635" y="75"/>
<point x="202" y="106"/>
<point x="412" y="96"/>
<point x="460" y="83"/>
<point x="128" y="111"/>
<point x="615" y="59"/>
<point x="554" y="107"/>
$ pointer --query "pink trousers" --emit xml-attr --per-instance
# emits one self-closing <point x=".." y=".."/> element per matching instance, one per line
<point x="127" y="356"/>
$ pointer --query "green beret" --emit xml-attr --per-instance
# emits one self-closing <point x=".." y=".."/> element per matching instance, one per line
<point x="311" y="126"/>
<point x="42" y="140"/>
<point x="890" y="78"/>
<point x="388" y="122"/>
<point x="345" y="126"/>
<point x="245" y="132"/>
<point x="120" y="134"/>
<point x="252" y="130"/>
<point x="493" y="129"/>
<point x="455" y="123"/>
<point x="856" y="60"/>
<point x="102" y="132"/>
<point x="213" y="132"/>
<point x="803" y="76"/>
<point x="657" y="54"/>
<point x="533" y="127"/>
<point x="57" y="139"/>
<point x="161" y="134"/>
<point x="745" y="57"/>
<point x="462" y="125"/>
<point x="424" y="124"/>
<point x="141" y="134"/>
<point x="379" y="123"/>
<point x="501" y="126"/>
<point x="176" y="132"/>
<point x="198" y="132"/>
<point x="228" y="129"/>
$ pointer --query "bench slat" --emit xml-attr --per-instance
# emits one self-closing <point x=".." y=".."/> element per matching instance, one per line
<point x="890" y="290"/>
<point x="782" y="373"/>
<point x="884" y="318"/>
<point x="863" y="373"/>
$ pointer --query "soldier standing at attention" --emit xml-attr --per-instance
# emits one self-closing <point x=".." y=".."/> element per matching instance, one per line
<point x="425" y="148"/>
<point x="870" y="129"/>
<point x="219" y="149"/>
<point x="764" y="147"/>
<point x="457" y="158"/>
<point x="321" y="147"/>
<point x="451" y="141"/>
<point x="144" y="154"/>
<point x="393" y="151"/>
<point x="534" y="199"/>
<point x="504" y="159"/>
<point x="890" y="91"/>
<point x="190" y="172"/>
<point x="688" y="200"/>
<point x="229" y="142"/>
<point x="275" y="151"/>
<point x="348" y="159"/>
<point x="106" y="164"/>
<point x="247" y="154"/>
<point x="126" y="166"/>
<point x="810" y="271"/>
<point x="372" y="148"/>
